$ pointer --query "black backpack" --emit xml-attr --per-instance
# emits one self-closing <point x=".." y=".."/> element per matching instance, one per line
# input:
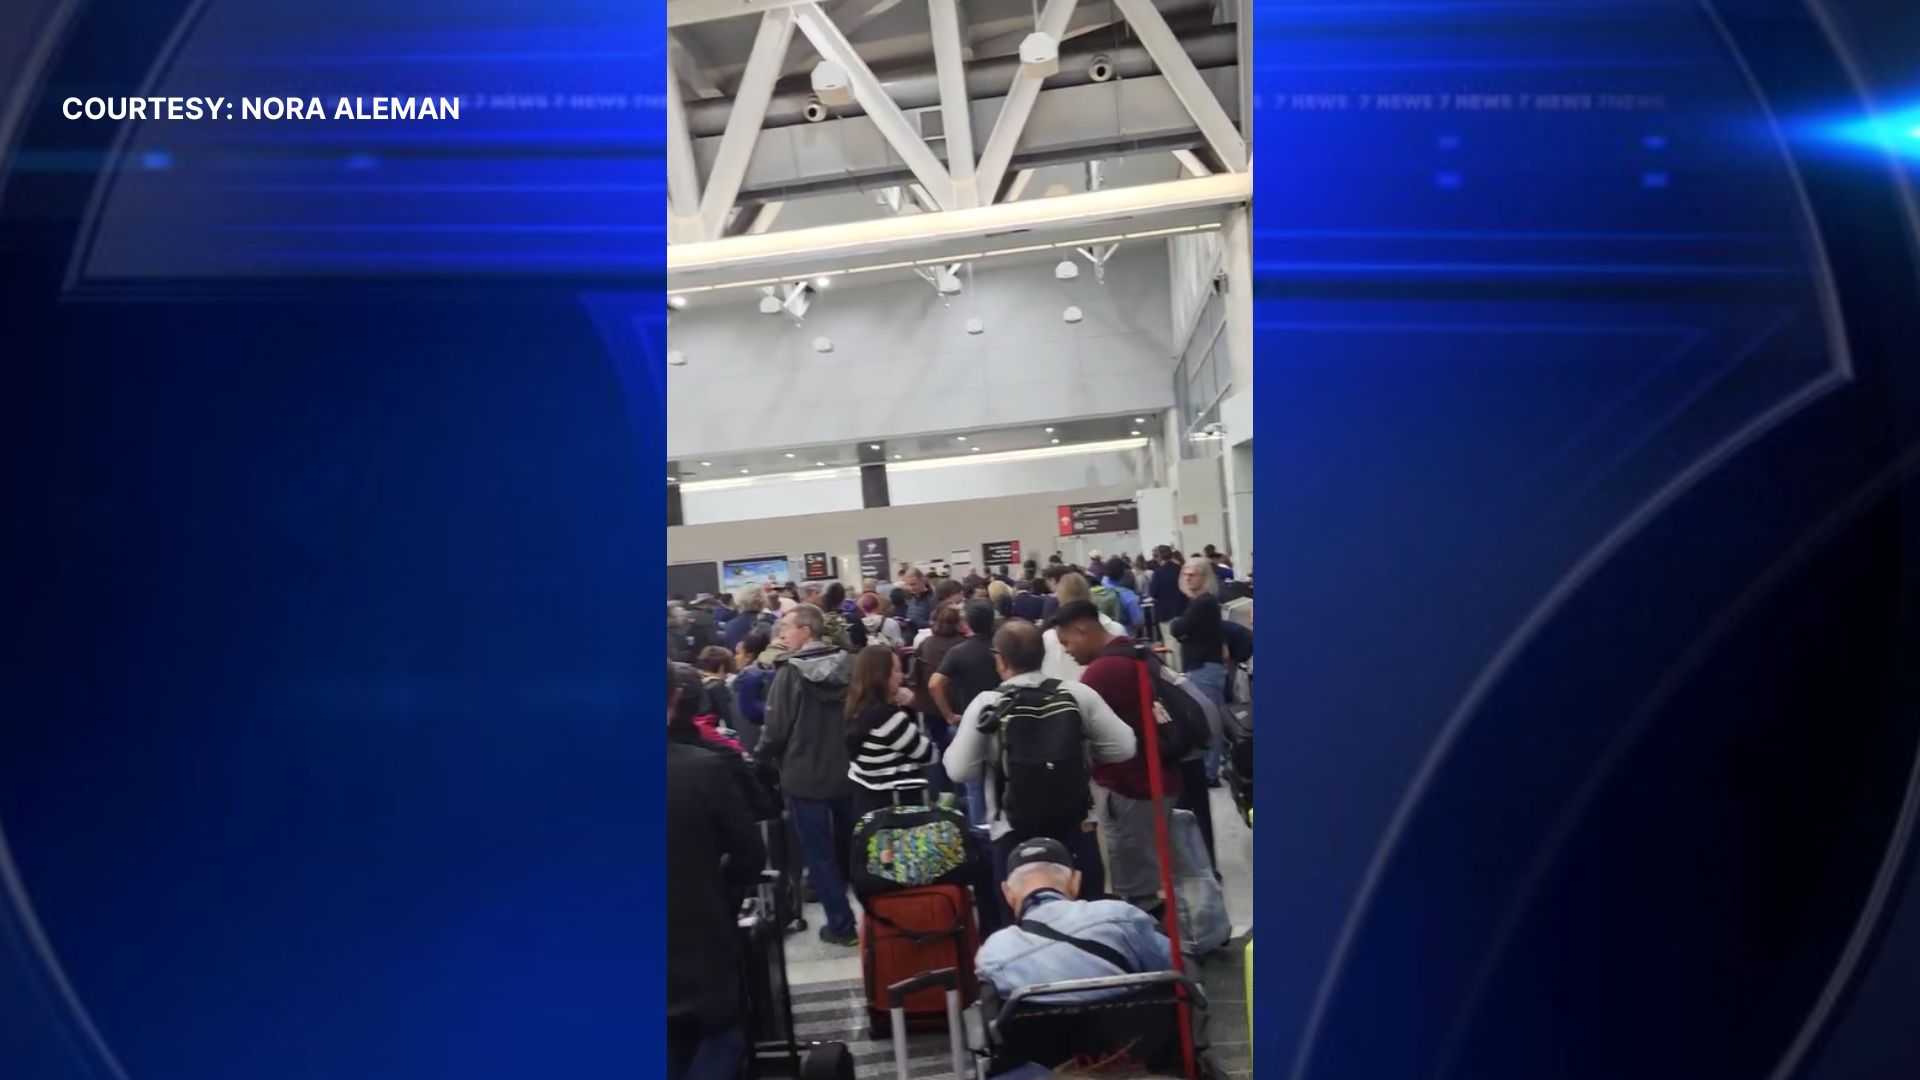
<point x="1043" y="756"/>
<point x="1186" y="726"/>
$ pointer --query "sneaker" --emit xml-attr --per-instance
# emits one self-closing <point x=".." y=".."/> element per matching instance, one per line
<point x="848" y="939"/>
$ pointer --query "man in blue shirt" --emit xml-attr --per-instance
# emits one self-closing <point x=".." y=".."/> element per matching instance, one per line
<point x="1058" y="936"/>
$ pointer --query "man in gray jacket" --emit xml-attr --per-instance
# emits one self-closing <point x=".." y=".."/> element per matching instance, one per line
<point x="805" y="738"/>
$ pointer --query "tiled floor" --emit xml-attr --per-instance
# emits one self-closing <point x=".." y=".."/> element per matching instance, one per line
<point x="830" y="1006"/>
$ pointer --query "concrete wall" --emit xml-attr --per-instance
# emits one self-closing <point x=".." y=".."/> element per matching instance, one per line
<point x="903" y="364"/>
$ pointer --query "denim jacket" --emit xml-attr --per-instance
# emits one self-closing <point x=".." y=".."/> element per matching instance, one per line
<point x="1013" y="958"/>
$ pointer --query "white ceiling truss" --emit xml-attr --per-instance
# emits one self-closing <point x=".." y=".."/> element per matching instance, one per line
<point x="957" y="178"/>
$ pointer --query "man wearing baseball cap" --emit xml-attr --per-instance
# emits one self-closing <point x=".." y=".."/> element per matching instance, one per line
<point x="1057" y="936"/>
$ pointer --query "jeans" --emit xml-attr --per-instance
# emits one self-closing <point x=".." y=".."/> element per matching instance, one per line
<point x="826" y="839"/>
<point x="1211" y="678"/>
<point x="693" y="1054"/>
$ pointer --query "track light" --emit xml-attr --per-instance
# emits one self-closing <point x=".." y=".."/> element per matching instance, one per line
<point x="1040" y="54"/>
<point x="831" y="85"/>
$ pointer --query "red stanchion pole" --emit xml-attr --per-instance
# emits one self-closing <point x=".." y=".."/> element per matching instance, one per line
<point x="1163" y="844"/>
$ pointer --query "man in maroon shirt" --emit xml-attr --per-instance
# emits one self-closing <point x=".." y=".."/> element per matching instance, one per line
<point x="1126" y="820"/>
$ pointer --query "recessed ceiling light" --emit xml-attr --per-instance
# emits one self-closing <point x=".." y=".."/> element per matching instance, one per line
<point x="1056" y="442"/>
<point x="743" y="472"/>
<point x="959" y="438"/>
<point x="975" y="449"/>
<point x="706" y="464"/>
<point x="873" y="446"/>
<point x="676" y="301"/>
<point x="790" y="455"/>
<point x="673" y="480"/>
<point x="819" y="464"/>
<point x="822" y="281"/>
<point x="897" y="457"/>
<point x="1135" y="433"/>
<point x="1139" y="419"/>
<point x="1049" y="431"/>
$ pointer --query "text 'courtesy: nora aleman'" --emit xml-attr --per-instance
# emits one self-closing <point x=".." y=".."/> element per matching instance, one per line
<point x="260" y="108"/>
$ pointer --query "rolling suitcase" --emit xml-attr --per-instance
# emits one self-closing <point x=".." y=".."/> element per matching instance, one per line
<point x="946" y="980"/>
<point x="907" y="934"/>
<point x="774" y="1048"/>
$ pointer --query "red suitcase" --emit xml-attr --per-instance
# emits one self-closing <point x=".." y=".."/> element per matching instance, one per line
<point x="909" y="933"/>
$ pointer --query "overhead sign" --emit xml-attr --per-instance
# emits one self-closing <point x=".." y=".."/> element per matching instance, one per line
<point x="818" y="566"/>
<point x="873" y="558"/>
<point x="1000" y="553"/>
<point x="760" y="570"/>
<point x="1119" y="515"/>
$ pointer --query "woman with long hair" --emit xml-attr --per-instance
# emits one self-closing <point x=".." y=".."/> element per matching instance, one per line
<point x="886" y="748"/>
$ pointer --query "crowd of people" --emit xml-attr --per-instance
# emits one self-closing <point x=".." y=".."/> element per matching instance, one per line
<point x="1016" y="698"/>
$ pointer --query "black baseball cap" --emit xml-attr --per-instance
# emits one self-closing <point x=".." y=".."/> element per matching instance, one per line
<point x="1040" y="849"/>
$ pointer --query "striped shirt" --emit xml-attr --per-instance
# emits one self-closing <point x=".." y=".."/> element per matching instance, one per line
<point x="893" y="754"/>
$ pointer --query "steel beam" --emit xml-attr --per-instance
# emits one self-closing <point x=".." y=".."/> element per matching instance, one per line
<point x="1013" y="114"/>
<point x="689" y="12"/>
<point x="1184" y="77"/>
<point x="743" y="126"/>
<point x="683" y="179"/>
<point x="956" y="112"/>
<point x="1191" y="163"/>
<point x="900" y="133"/>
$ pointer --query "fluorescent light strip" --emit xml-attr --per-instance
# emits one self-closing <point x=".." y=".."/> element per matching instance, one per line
<point x="732" y="483"/>
<point x="1039" y="453"/>
<point x="1035" y="454"/>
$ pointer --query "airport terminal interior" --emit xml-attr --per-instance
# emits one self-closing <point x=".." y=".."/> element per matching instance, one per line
<point x="961" y="317"/>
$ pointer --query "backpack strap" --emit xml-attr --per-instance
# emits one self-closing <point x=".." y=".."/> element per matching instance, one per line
<point x="1105" y="952"/>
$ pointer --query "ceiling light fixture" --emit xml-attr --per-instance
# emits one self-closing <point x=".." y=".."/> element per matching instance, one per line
<point x="1072" y="314"/>
<point x="1049" y="431"/>
<point x="676" y="301"/>
<point x="822" y="282"/>
<point x="743" y="472"/>
<point x="676" y="358"/>
<point x="873" y="446"/>
<point x="790" y="455"/>
<point x="706" y="464"/>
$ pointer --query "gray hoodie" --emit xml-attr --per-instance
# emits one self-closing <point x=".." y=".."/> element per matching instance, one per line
<point x="806" y="729"/>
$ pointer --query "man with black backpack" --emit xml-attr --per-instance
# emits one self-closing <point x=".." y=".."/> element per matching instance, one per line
<point x="1037" y="743"/>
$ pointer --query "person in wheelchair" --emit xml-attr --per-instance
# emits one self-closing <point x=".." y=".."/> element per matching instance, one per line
<point x="1076" y="981"/>
<point x="1056" y="936"/>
